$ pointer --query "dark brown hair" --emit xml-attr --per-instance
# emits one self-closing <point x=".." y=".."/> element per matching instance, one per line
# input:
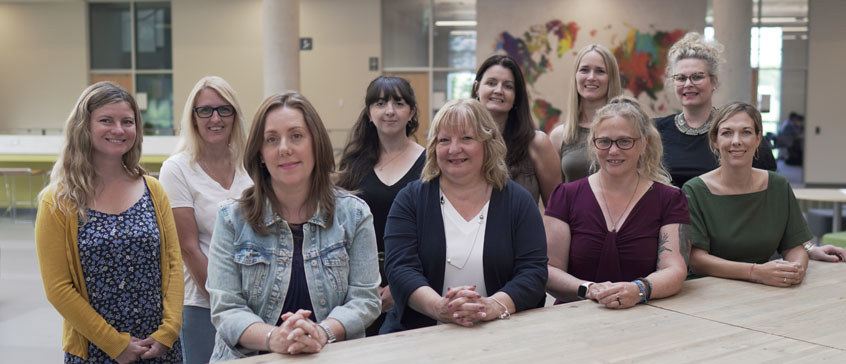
<point x="321" y="189"/>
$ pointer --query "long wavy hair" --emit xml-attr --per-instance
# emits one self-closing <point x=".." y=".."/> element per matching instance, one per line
<point x="362" y="150"/>
<point x="520" y="127"/>
<point x="189" y="137"/>
<point x="459" y="114"/>
<point x="571" y="120"/>
<point x="321" y="193"/>
<point x="650" y="163"/>
<point x="73" y="178"/>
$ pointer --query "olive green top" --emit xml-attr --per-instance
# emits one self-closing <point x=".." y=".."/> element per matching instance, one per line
<point x="748" y="227"/>
<point x="575" y="161"/>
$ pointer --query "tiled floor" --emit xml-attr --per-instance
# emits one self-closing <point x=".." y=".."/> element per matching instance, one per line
<point x="30" y="329"/>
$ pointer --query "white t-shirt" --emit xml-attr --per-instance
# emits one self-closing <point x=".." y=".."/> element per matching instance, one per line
<point x="187" y="185"/>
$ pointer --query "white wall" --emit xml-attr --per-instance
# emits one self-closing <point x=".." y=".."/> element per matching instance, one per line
<point x="334" y="75"/>
<point x="824" y="150"/>
<point x="220" y="38"/>
<point x="43" y="62"/>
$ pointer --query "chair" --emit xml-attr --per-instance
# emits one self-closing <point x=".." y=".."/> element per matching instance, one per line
<point x="836" y="239"/>
<point x="9" y="175"/>
<point x="820" y="221"/>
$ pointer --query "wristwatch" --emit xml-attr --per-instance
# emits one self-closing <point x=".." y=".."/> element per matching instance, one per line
<point x="329" y="334"/>
<point x="583" y="290"/>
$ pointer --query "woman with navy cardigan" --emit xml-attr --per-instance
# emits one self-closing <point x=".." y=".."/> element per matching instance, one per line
<point x="464" y="244"/>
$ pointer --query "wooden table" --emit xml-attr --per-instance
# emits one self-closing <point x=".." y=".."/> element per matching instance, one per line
<point x="834" y="195"/>
<point x="711" y="320"/>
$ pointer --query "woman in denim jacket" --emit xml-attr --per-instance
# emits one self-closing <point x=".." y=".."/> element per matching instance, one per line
<point x="292" y="264"/>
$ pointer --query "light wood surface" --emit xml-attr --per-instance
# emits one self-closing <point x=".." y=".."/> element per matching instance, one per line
<point x="821" y="194"/>
<point x="711" y="320"/>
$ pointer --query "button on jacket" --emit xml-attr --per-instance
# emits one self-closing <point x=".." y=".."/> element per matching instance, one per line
<point x="249" y="274"/>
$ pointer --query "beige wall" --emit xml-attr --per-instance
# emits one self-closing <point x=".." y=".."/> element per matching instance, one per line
<point x="824" y="151"/>
<point x="334" y="75"/>
<point x="220" y="38"/>
<point x="43" y="63"/>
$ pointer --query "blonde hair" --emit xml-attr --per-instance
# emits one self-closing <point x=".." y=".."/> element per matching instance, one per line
<point x="726" y="112"/>
<point x="73" y="178"/>
<point x="321" y="193"/>
<point x="650" y="162"/>
<point x="693" y="45"/>
<point x="190" y="141"/>
<point x="615" y="88"/>
<point x="468" y="113"/>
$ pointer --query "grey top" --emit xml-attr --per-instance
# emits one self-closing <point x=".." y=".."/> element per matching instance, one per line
<point x="575" y="160"/>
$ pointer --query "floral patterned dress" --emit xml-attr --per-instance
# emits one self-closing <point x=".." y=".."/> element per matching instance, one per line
<point x="121" y="257"/>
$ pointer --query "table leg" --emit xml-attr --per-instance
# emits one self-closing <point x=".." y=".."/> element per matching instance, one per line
<point x="835" y="220"/>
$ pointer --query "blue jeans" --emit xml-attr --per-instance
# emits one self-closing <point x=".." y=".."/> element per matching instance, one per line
<point x="197" y="335"/>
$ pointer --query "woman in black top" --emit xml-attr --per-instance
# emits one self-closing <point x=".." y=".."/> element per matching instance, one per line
<point x="380" y="159"/>
<point x="692" y="68"/>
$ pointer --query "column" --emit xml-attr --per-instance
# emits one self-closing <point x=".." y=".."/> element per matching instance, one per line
<point x="281" y="49"/>
<point x="732" y="28"/>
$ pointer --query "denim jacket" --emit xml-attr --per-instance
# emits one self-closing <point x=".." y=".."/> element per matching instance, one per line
<point x="248" y="274"/>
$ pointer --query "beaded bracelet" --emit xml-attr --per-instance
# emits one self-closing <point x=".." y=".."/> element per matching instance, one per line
<point x="641" y="289"/>
<point x="648" y="285"/>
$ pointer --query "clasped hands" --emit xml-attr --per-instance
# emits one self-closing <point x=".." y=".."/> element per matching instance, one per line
<point x="615" y="295"/>
<point x="297" y="335"/>
<point x="141" y="349"/>
<point x="463" y="306"/>
<point x="777" y="273"/>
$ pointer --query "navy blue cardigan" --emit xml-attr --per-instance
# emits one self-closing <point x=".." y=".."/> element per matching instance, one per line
<point x="514" y="256"/>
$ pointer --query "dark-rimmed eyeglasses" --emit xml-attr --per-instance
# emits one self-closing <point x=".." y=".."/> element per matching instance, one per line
<point x="207" y="111"/>
<point x="695" y="78"/>
<point x="622" y="143"/>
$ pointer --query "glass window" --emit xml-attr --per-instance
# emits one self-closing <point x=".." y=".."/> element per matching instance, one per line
<point x="111" y="36"/>
<point x="152" y="36"/>
<point x="454" y="34"/>
<point x="405" y="33"/>
<point x="155" y="95"/>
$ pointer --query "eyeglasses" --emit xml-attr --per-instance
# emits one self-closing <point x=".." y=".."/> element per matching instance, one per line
<point x="222" y="111"/>
<point x="695" y="78"/>
<point x="622" y="143"/>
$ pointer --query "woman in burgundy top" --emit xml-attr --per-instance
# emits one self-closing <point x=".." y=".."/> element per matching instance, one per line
<point x="624" y="226"/>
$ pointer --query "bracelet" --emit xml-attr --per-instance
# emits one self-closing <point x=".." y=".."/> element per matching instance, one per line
<point x="505" y="315"/>
<point x="648" y="288"/>
<point x="808" y="246"/>
<point x="267" y="340"/>
<point x="641" y="289"/>
<point x="330" y="337"/>
<point x="751" y="267"/>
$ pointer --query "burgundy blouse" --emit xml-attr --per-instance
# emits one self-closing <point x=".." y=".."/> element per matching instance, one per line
<point x="631" y="252"/>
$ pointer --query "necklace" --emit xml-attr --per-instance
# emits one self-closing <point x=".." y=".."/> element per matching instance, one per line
<point x="394" y="157"/>
<point x="605" y="199"/>
<point x="475" y="236"/>
<point x="683" y="127"/>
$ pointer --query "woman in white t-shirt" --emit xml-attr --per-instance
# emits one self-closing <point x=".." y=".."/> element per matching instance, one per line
<point x="205" y="171"/>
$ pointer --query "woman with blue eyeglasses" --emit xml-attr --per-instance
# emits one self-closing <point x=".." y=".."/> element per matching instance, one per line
<point x="692" y="68"/>
<point x="621" y="235"/>
<point x="292" y="263"/>
<point x="205" y="171"/>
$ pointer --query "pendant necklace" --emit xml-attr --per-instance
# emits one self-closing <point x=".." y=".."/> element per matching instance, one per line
<point x="605" y="199"/>
<point x="394" y="157"/>
<point x="475" y="236"/>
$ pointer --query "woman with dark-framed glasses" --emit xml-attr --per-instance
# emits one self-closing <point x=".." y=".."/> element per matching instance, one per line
<point x="692" y="70"/>
<point x="619" y="236"/>
<point x="204" y="171"/>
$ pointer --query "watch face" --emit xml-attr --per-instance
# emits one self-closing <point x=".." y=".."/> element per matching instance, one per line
<point x="583" y="291"/>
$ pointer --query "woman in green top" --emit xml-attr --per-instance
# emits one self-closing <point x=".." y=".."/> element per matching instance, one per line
<point x="741" y="215"/>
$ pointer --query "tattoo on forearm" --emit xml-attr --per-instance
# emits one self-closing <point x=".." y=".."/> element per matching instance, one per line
<point x="662" y="242"/>
<point x="685" y="242"/>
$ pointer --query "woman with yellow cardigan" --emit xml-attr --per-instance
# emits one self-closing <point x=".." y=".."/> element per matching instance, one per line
<point x="106" y="240"/>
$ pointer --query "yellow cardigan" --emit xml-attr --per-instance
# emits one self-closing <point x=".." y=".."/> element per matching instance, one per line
<point x="61" y="271"/>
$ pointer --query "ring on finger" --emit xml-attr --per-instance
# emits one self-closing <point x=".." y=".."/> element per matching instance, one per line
<point x="785" y="280"/>
<point x="618" y="301"/>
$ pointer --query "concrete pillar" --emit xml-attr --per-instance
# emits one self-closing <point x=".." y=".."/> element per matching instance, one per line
<point x="732" y="28"/>
<point x="281" y="45"/>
